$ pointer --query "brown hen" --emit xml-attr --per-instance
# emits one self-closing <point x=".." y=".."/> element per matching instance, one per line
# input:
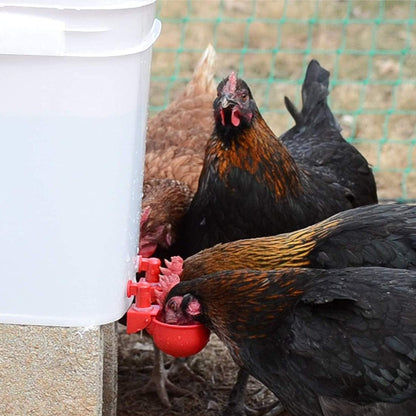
<point x="175" y="144"/>
<point x="167" y="201"/>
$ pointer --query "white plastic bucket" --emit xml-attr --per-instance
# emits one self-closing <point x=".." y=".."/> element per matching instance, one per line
<point x="74" y="85"/>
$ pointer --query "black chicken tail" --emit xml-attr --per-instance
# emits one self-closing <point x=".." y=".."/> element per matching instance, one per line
<point x="314" y="98"/>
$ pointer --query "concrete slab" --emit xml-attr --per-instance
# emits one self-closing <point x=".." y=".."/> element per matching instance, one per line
<point x="47" y="371"/>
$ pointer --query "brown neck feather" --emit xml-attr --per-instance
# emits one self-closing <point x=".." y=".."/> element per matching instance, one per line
<point x="259" y="152"/>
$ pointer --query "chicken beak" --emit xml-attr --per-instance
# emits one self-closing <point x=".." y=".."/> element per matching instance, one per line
<point x="227" y="101"/>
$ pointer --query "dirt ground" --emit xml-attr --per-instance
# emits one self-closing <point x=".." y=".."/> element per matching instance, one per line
<point x="171" y="67"/>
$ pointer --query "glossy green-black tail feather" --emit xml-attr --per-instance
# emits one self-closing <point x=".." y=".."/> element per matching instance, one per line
<point x="316" y="141"/>
<point x="314" y="98"/>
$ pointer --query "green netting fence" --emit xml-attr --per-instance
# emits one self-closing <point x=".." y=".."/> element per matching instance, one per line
<point x="368" y="46"/>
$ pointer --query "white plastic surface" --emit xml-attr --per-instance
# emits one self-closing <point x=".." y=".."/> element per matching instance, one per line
<point x="71" y="31"/>
<point x="78" y="4"/>
<point x="72" y="133"/>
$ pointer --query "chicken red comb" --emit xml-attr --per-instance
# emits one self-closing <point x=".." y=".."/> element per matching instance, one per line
<point x="174" y="266"/>
<point x="168" y="278"/>
<point x="231" y="84"/>
<point x="166" y="283"/>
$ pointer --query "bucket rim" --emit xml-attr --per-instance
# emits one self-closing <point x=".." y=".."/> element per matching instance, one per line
<point x="78" y="5"/>
<point x="146" y="43"/>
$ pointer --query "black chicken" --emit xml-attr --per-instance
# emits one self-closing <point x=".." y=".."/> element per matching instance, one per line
<point x="316" y="141"/>
<point x="373" y="235"/>
<point x="253" y="184"/>
<point x="326" y="342"/>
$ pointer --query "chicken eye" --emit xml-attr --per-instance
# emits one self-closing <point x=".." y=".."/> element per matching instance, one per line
<point x="244" y="96"/>
<point x="173" y="305"/>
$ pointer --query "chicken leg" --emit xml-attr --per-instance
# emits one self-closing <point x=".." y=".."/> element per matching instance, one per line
<point x="236" y="401"/>
<point x="159" y="381"/>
